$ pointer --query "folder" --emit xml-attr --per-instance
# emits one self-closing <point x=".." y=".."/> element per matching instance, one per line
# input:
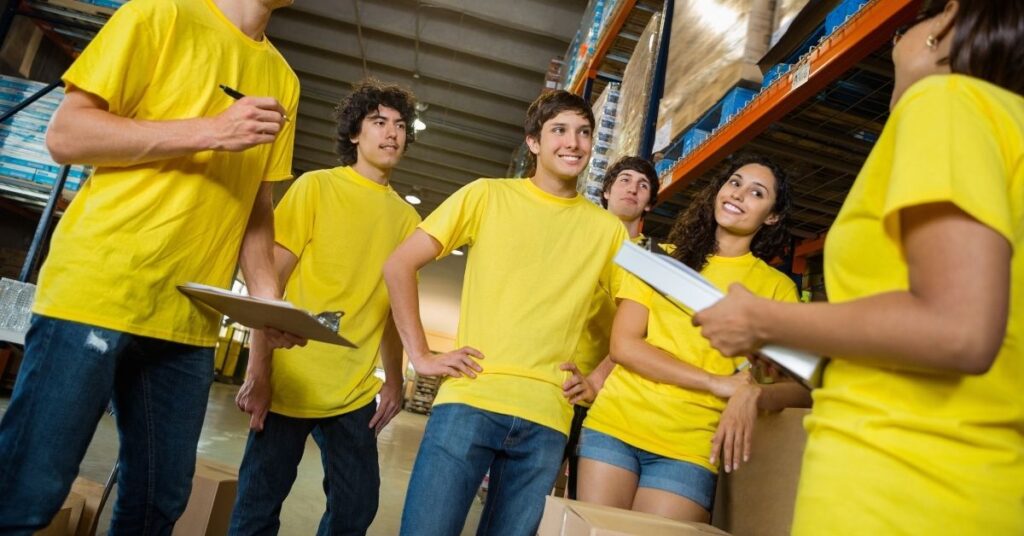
<point x="259" y="313"/>
<point x="688" y="290"/>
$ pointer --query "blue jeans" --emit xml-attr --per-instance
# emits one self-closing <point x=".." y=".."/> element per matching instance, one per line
<point x="67" y="378"/>
<point x="459" y="445"/>
<point x="348" y="449"/>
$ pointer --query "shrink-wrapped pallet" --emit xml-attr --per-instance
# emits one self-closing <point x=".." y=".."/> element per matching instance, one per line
<point x="591" y="181"/>
<point x="636" y="93"/>
<point x="715" y="46"/>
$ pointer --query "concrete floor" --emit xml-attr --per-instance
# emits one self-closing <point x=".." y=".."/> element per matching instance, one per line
<point x="223" y="440"/>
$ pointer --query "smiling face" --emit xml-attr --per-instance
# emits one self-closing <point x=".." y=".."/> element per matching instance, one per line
<point x="563" y="146"/>
<point x="746" y="200"/>
<point x="629" y="195"/>
<point x="381" y="139"/>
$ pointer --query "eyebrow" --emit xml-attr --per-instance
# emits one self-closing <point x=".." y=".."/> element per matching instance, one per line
<point x="377" y="115"/>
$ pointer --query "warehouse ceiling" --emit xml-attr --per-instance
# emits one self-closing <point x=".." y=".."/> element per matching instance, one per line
<point x="475" y="64"/>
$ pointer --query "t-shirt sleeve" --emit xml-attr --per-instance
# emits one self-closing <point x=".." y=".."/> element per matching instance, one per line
<point x="634" y="289"/>
<point x="119" y="62"/>
<point x="279" y="166"/>
<point x="295" y="215"/>
<point x="456" y="221"/>
<point x="947" y="150"/>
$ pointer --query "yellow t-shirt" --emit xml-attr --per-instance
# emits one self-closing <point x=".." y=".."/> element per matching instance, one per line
<point x="342" y="227"/>
<point x="897" y="452"/>
<point x="534" y="262"/>
<point x="135" y="232"/>
<point x="666" y="419"/>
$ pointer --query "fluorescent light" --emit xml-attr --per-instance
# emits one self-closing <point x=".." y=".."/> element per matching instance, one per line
<point x="457" y="252"/>
<point x="419" y="125"/>
<point x="413" y="199"/>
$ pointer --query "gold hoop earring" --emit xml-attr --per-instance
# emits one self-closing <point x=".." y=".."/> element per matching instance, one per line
<point x="931" y="42"/>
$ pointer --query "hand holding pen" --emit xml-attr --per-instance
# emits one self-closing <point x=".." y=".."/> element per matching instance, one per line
<point x="250" y="121"/>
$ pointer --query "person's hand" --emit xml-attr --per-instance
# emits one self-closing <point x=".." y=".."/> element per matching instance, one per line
<point x="254" y="399"/>
<point x="250" y="121"/>
<point x="282" y="339"/>
<point x="457" y="363"/>
<point x="389" y="406"/>
<point x="736" y="428"/>
<point x="730" y="324"/>
<point x="578" y="387"/>
<point x="726" y="386"/>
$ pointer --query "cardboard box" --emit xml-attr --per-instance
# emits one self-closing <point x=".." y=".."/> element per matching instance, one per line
<point x="61" y="523"/>
<point x="213" y="496"/>
<point x="759" y="497"/>
<point x="564" y="517"/>
<point x="91" y="493"/>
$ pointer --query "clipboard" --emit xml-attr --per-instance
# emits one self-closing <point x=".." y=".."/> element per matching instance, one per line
<point x="689" y="291"/>
<point x="258" y="313"/>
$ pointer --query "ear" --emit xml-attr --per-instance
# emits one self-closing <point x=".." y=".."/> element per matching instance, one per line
<point x="607" y="195"/>
<point x="944" y="24"/>
<point x="533" y="144"/>
<point x="772" y="219"/>
<point x="647" y="208"/>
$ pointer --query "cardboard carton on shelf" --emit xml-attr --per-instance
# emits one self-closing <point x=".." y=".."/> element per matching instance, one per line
<point x="564" y="517"/>
<point x="213" y="496"/>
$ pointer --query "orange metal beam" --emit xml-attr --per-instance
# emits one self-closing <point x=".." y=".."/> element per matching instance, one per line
<point x="868" y="30"/>
<point x="604" y="43"/>
<point x="810" y="247"/>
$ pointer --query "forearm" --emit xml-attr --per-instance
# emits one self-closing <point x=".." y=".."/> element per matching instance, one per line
<point x="598" y="376"/>
<point x="101" y="138"/>
<point x="391" y="354"/>
<point x="405" y="307"/>
<point x="260" y="353"/>
<point x="781" y="395"/>
<point x="658" y="365"/>
<point x="257" y="254"/>
<point x="892" y="329"/>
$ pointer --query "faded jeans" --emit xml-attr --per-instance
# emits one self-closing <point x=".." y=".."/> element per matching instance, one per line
<point x="67" y="378"/>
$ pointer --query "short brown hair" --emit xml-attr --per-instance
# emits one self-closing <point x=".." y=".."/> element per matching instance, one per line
<point x="631" y="163"/>
<point x="547" y="106"/>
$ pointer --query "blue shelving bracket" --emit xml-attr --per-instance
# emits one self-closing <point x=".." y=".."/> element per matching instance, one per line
<point x="657" y="82"/>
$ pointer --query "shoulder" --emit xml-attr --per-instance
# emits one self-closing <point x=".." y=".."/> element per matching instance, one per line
<point x="955" y="92"/>
<point x="775" y="279"/>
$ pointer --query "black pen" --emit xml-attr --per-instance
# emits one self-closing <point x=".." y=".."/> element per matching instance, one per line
<point x="235" y="94"/>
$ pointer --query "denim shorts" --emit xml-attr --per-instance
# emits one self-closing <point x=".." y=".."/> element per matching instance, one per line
<point x="685" y="479"/>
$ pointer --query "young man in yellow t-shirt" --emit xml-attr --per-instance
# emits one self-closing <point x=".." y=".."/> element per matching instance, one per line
<point x="629" y="191"/>
<point x="537" y="252"/>
<point x="181" y="193"/>
<point x="335" y="228"/>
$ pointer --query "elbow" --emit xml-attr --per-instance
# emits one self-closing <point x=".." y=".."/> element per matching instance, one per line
<point x="973" y="351"/>
<point x="392" y="270"/>
<point x="616" y="350"/>
<point x="57" y="144"/>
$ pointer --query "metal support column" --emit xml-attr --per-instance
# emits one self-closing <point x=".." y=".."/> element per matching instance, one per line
<point x="44" y="225"/>
<point x="658" y="82"/>
<point x="28" y="101"/>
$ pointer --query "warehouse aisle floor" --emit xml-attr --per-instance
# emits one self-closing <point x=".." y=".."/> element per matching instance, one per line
<point x="223" y="440"/>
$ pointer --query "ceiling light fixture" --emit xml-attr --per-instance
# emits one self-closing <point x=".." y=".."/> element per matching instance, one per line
<point x="415" y="196"/>
<point x="419" y="125"/>
<point x="457" y="252"/>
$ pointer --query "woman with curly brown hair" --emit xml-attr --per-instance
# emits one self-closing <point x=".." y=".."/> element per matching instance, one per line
<point x="652" y="439"/>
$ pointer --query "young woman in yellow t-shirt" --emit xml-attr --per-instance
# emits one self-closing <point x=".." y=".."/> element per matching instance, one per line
<point x="651" y="440"/>
<point x="919" y="425"/>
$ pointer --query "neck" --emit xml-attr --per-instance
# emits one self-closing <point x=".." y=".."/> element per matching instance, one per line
<point x="250" y="16"/>
<point x="731" y="245"/>
<point x="554" y="185"/>
<point x="633" y="227"/>
<point x="374" y="173"/>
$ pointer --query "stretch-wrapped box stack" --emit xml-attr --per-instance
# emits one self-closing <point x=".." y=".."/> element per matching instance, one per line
<point x="23" y="153"/>
<point x="636" y="93"/>
<point x="591" y="181"/>
<point x="715" y="46"/>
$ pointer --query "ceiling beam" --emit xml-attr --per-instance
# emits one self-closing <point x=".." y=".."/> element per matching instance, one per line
<point x="541" y="18"/>
<point x="495" y="42"/>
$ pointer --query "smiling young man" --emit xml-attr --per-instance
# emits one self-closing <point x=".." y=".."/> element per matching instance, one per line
<point x="537" y="252"/>
<point x="335" y="228"/>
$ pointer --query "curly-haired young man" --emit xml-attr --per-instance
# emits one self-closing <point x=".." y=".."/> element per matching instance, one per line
<point x="334" y="229"/>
